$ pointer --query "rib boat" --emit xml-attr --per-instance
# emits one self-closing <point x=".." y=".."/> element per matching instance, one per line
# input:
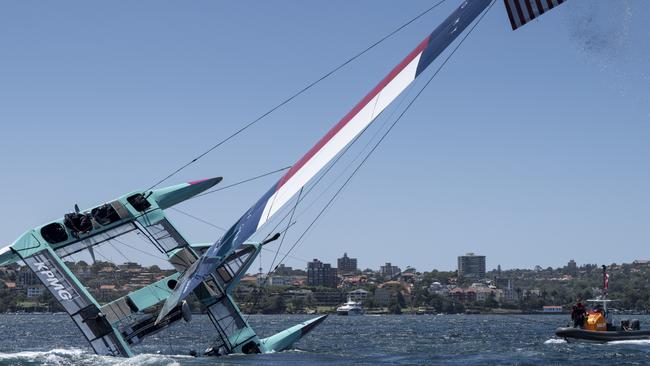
<point x="598" y="326"/>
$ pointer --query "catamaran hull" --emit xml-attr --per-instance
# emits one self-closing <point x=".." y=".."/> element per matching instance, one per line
<point x="285" y="339"/>
<point x="582" y="335"/>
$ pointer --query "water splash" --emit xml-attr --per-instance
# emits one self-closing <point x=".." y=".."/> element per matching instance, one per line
<point x="75" y="356"/>
<point x="555" y="341"/>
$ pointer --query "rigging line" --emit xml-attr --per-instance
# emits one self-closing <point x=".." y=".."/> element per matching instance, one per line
<point x="336" y="160"/>
<point x="359" y="155"/>
<point x="108" y="261"/>
<point x="117" y="250"/>
<point x="199" y="219"/>
<point x="263" y="248"/>
<point x="213" y="225"/>
<point x="291" y="256"/>
<point x="223" y="239"/>
<point x="285" y="232"/>
<point x="240" y="182"/>
<point x="298" y="93"/>
<point x="230" y="235"/>
<point x="271" y="269"/>
<point x="374" y="148"/>
<point x="140" y="250"/>
<point x="319" y="179"/>
<point x="142" y="230"/>
<point x="275" y="256"/>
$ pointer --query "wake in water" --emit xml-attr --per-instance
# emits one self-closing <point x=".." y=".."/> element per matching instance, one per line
<point x="555" y="341"/>
<point x="640" y="342"/>
<point x="74" y="357"/>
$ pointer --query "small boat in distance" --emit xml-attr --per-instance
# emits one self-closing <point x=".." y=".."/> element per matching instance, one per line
<point x="425" y="310"/>
<point x="350" y="308"/>
<point x="597" y="325"/>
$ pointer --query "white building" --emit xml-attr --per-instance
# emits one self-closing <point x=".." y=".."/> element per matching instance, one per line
<point x="358" y="295"/>
<point x="35" y="291"/>
<point x="438" y="289"/>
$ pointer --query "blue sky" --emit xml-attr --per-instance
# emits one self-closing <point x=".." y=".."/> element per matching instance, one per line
<point x="531" y="147"/>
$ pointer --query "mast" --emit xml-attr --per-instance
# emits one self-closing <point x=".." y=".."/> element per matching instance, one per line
<point x="605" y="282"/>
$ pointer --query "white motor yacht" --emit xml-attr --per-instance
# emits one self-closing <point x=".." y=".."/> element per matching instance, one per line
<point x="350" y="308"/>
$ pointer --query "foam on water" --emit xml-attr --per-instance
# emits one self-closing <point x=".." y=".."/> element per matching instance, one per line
<point x="555" y="341"/>
<point x="75" y="356"/>
<point x="639" y="342"/>
<point x="32" y="355"/>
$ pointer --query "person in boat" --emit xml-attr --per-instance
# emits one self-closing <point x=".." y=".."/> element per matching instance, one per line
<point x="578" y="314"/>
<point x="598" y="308"/>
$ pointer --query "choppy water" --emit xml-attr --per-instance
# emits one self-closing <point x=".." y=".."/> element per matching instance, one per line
<point x="369" y="340"/>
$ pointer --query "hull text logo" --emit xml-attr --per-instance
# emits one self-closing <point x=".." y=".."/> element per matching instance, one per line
<point x="53" y="282"/>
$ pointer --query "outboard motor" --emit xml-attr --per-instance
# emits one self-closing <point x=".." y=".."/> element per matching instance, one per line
<point x="635" y="324"/>
<point x="625" y="324"/>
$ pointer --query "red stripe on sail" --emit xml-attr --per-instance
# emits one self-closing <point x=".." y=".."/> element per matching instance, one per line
<point x="382" y="84"/>
<point x="540" y="7"/>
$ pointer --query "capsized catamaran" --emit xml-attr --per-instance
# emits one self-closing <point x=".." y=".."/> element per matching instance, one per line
<point x="113" y="328"/>
<point x="366" y="111"/>
<point x="211" y="271"/>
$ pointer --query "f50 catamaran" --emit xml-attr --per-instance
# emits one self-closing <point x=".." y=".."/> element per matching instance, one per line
<point x="212" y="271"/>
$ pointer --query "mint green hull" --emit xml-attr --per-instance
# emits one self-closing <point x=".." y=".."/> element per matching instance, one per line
<point x="286" y="339"/>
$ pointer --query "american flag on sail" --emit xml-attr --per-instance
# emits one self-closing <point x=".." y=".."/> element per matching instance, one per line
<point x="521" y="12"/>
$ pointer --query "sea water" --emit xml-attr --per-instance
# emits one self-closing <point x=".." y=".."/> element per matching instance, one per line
<point x="363" y="340"/>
